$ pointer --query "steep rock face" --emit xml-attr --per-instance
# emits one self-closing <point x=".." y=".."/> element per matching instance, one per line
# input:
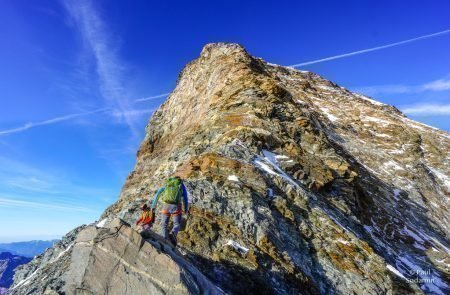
<point x="111" y="258"/>
<point x="297" y="185"/>
<point x="8" y="263"/>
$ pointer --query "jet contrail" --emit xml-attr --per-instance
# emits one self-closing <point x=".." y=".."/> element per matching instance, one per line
<point x="369" y="49"/>
<point x="77" y="115"/>
<point x="51" y="121"/>
<point x="151" y="97"/>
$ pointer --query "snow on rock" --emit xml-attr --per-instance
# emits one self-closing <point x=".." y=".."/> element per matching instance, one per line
<point x="237" y="246"/>
<point x="63" y="252"/>
<point x="265" y="167"/>
<point x="379" y="121"/>
<point x="233" y="178"/>
<point x="369" y="100"/>
<point x="281" y="157"/>
<point x="102" y="223"/>
<point x="270" y="164"/>
<point x="331" y="117"/>
<point x="395" y="271"/>
<point x="397" y="194"/>
<point x="442" y="177"/>
<point x="26" y="281"/>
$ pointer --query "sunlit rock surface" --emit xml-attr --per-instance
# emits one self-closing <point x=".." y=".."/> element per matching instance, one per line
<point x="298" y="186"/>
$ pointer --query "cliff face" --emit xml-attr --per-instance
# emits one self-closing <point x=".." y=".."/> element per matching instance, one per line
<point x="297" y="186"/>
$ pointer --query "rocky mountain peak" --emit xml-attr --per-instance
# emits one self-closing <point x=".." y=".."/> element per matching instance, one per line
<point x="297" y="186"/>
<point x="214" y="50"/>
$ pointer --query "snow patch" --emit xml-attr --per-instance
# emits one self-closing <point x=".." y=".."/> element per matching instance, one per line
<point x="395" y="271"/>
<point x="397" y="193"/>
<point x="281" y="157"/>
<point x="102" y="223"/>
<point x="265" y="167"/>
<point x="63" y="252"/>
<point x="27" y="280"/>
<point x="342" y="241"/>
<point x="330" y="117"/>
<point x="233" y="178"/>
<point x="379" y="121"/>
<point x="369" y="100"/>
<point x="442" y="177"/>
<point x="237" y="246"/>
<point x="328" y="88"/>
<point x="270" y="164"/>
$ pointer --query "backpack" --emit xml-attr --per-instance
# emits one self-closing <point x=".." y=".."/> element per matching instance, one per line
<point x="173" y="191"/>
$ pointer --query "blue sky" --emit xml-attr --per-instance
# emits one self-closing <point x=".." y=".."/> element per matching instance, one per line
<point x="79" y="80"/>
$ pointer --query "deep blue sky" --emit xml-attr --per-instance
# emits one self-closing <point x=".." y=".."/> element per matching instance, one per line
<point x="60" y="166"/>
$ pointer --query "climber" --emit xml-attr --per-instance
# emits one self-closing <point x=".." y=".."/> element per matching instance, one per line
<point x="173" y="195"/>
<point x="146" y="219"/>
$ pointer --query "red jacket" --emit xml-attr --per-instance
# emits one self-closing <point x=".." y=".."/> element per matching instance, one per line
<point x="146" y="218"/>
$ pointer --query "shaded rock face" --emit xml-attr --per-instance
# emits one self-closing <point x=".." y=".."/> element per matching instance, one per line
<point x="298" y="186"/>
<point x="8" y="263"/>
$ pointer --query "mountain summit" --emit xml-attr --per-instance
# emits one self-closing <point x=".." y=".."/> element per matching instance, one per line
<point x="297" y="186"/>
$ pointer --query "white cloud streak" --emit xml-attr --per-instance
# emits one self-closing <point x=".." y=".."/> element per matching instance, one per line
<point x="427" y="110"/>
<point x="109" y="67"/>
<point x="438" y="85"/>
<point x="369" y="49"/>
<point x="55" y="120"/>
<point x="116" y="113"/>
<point x="132" y="113"/>
<point x="15" y="203"/>
<point x="151" y="97"/>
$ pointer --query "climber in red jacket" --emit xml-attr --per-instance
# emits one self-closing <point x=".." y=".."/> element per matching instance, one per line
<point x="146" y="219"/>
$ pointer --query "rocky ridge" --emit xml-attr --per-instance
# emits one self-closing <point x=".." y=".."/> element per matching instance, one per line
<point x="298" y="186"/>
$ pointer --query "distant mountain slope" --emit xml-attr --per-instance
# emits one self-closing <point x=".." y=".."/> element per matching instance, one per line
<point x="27" y="249"/>
<point x="8" y="263"/>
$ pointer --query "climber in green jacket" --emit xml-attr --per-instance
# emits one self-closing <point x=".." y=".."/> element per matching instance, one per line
<point x="174" y="197"/>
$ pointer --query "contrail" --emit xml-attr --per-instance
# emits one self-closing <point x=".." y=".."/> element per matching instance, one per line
<point x="51" y="121"/>
<point x="77" y="115"/>
<point x="151" y="97"/>
<point x="369" y="49"/>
